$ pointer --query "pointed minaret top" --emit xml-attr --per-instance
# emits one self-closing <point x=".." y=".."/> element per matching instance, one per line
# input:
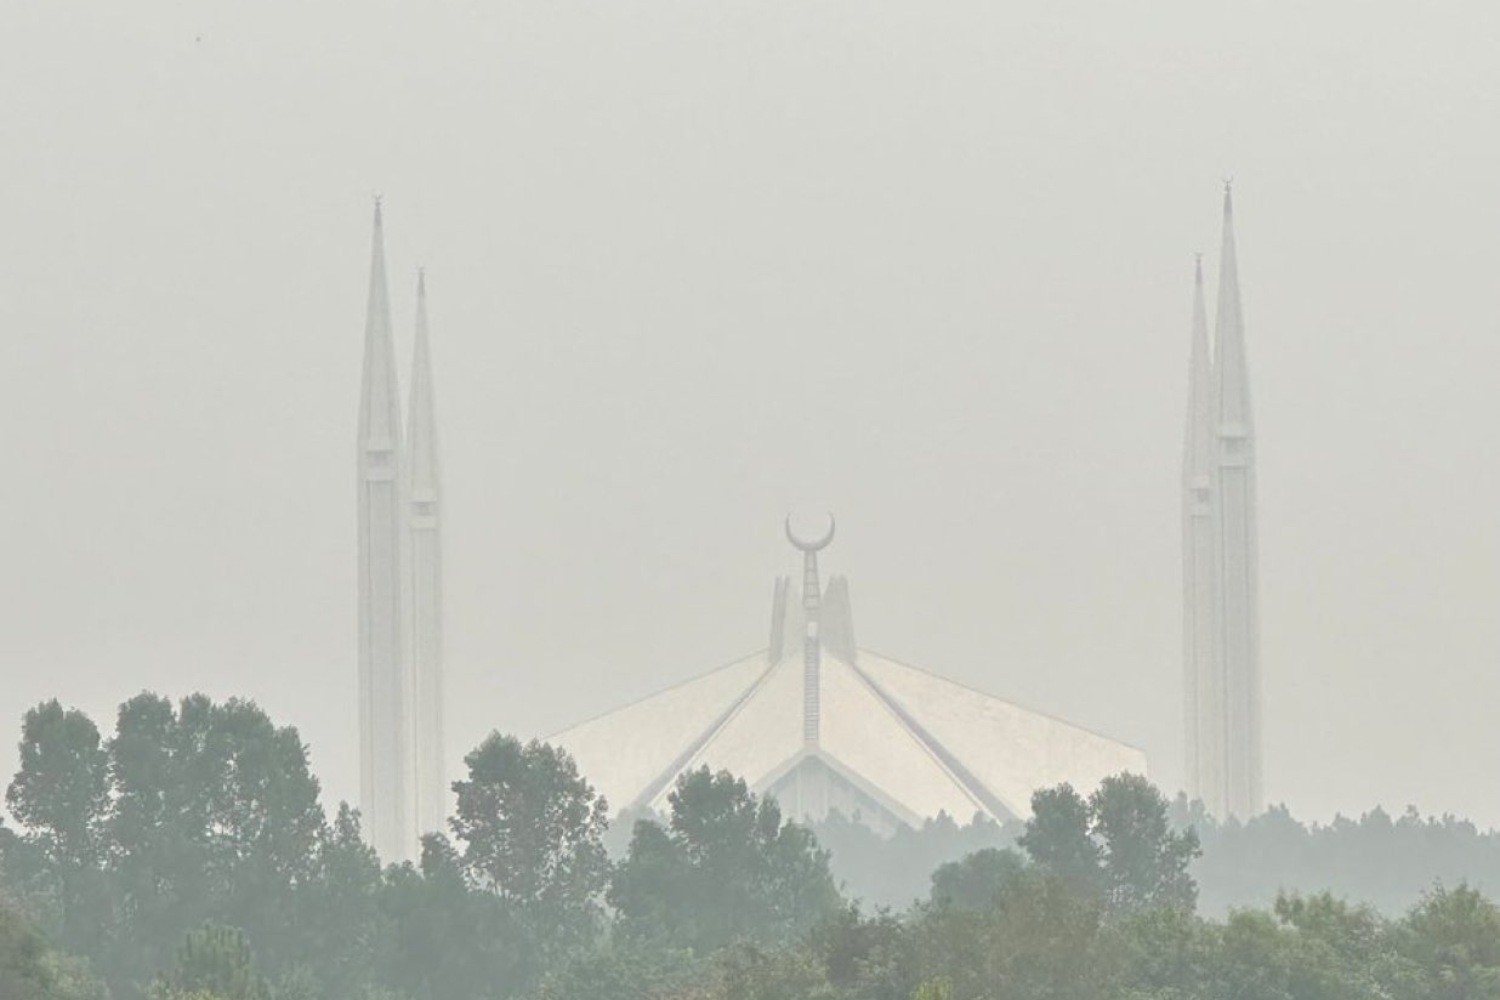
<point x="422" y="431"/>
<point x="380" y="408"/>
<point x="1199" y="446"/>
<point x="1229" y="334"/>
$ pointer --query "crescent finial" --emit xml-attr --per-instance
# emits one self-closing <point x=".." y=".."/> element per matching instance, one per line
<point x="805" y="546"/>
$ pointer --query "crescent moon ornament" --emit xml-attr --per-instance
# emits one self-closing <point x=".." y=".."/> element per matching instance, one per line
<point x="806" y="546"/>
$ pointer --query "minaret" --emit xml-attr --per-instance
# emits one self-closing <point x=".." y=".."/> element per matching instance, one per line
<point x="426" y="582"/>
<point x="1203" y="689"/>
<point x="384" y="724"/>
<point x="1239" y="611"/>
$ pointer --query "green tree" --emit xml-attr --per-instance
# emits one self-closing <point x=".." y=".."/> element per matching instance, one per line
<point x="726" y="869"/>
<point x="1453" y="938"/>
<point x="531" y="830"/>
<point x="214" y="960"/>
<point x="1059" y="841"/>
<point x="1145" y="861"/>
<point x="1118" y="844"/>
<point x="60" y="795"/>
<point x="23" y="968"/>
<point x="976" y="881"/>
<point x="215" y="818"/>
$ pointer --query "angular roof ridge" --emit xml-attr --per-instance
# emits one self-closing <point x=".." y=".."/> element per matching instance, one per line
<point x="697" y="746"/>
<point x="983" y="796"/>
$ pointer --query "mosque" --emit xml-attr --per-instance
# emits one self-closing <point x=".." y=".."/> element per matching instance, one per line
<point x="839" y="728"/>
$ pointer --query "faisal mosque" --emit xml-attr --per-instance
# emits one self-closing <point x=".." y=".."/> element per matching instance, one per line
<point x="816" y="720"/>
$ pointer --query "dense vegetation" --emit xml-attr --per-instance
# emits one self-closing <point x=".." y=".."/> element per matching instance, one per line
<point x="187" y="856"/>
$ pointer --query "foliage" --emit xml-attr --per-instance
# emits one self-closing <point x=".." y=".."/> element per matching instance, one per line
<point x="1387" y="862"/>
<point x="1118" y="844"/>
<point x="213" y="961"/>
<point x="531" y="831"/>
<point x="894" y="870"/>
<point x="726" y="869"/>
<point x="976" y="882"/>
<point x="29" y="970"/>
<point x="158" y="853"/>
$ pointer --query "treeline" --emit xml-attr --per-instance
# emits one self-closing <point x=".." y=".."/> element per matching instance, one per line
<point x="1387" y="862"/>
<point x="187" y="856"/>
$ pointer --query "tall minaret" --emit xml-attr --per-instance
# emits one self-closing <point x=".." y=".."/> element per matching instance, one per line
<point x="1203" y="687"/>
<point x="426" y="582"/>
<point x="384" y="722"/>
<point x="1239" y="611"/>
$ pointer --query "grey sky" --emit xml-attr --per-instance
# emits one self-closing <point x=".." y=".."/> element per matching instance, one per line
<point x="692" y="265"/>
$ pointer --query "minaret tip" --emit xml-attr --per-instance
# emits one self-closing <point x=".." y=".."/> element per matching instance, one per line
<point x="421" y="282"/>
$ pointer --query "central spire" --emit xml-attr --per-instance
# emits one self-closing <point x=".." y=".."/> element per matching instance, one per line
<point x="812" y="608"/>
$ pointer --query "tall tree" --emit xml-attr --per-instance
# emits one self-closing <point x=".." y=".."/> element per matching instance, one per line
<point x="531" y="830"/>
<point x="726" y="869"/>
<point x="1059" y="838"/>
<point x="1145" y="861"/>
<point x="61" y="796"/>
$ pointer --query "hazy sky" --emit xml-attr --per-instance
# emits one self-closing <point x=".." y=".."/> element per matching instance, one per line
<point x="692" y="265"/>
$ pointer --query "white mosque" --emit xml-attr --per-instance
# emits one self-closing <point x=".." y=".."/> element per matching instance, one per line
<point x="841" y="727"/>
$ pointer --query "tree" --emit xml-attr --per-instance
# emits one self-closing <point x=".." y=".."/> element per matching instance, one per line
<point x="976" y="881"/>
<point x="1117" y="844"/>
<point x="215" y="818"/>
<point x="1058" y="838"/>
<point x="726" y="869"/>
<point x="61" y="796"/>
<point x="1145" y="861"/>
<point x="531" y="830"/>
<point x="216" y="961"/>
<point x="23" y="969"/>
<point x="1453" y="938"/>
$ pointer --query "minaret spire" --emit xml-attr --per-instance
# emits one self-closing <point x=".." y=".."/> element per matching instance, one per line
<point x="383" y="682"/>
<point x="426" y="580"/>
<point x="1203" y="690"/>
<point x="1238" y="624"/>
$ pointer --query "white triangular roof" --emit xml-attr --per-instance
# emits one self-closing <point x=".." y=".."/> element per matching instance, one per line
<point x="915" y="743"/>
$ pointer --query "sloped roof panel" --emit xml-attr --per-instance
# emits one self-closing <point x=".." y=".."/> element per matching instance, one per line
<point x="622" y="752"/>
<point x="761" y="735"/>
<point x="1013" y="751"/>
<point x="861" y="731"/>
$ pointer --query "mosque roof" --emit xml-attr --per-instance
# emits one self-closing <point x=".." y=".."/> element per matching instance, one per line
<point x="894" y="743"/>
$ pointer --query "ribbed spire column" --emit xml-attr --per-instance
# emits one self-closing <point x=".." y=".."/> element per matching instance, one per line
<point x="384" y="721"/>
<point x="1203" y="707"/>
<point x="1239" y="598"/>
<point x="426" y="580"/>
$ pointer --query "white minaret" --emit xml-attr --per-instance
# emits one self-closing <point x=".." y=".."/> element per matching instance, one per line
<point x="426" y="582"/>
<point x="1238" y="649"/>
<point x="1202" y="683"/>
<point x="384" y="716"/>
